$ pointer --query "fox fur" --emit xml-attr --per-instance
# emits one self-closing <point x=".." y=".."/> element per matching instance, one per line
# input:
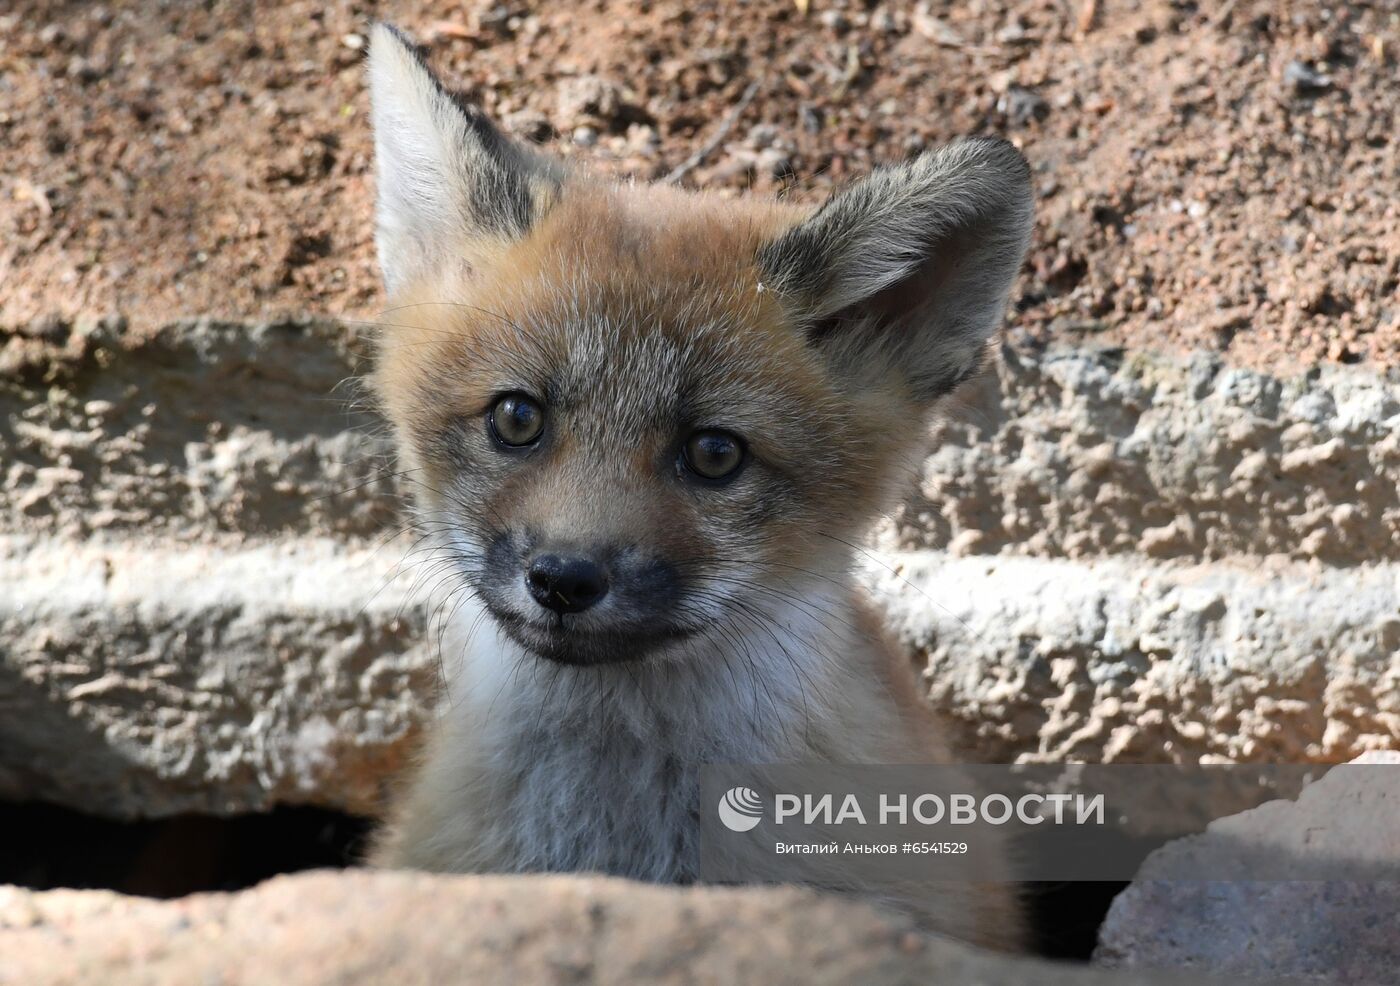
<point x="633" y="315"/>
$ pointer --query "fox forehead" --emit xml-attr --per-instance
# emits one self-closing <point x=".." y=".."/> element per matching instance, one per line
<point x="640" y="298"/>
<point x="648" y="262"/>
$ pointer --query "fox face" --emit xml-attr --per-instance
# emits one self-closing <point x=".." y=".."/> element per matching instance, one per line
<point x="635" y="418"/>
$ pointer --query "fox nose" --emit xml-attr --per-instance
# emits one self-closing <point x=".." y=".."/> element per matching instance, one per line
<point x="566" y="585"/>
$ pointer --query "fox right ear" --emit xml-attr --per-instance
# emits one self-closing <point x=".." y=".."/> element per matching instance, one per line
<point x="906" y="274"/>
<point x="449" y="183"/>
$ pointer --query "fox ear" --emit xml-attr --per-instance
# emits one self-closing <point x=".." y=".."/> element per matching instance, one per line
<point x="447" y="179"/>
<point x="907" y="272"/>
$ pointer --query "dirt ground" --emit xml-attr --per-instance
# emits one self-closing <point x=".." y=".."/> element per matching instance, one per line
<point x="1221" y="176"/>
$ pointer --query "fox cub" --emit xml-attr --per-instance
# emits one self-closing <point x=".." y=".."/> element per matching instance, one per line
<point x="644" y="428"/>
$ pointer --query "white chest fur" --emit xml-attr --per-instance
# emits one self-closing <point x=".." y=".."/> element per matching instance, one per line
<point x="556" y="768"/>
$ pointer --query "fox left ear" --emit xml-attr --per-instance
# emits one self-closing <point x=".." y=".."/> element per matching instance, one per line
<point x="908" y="271"/>
<point x="448" y="181"/>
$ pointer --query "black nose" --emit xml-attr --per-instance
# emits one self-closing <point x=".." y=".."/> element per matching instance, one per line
<point x="566" y="585"/>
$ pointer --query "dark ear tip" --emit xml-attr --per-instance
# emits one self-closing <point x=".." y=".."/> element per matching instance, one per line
<point x="1002" y="152"/>
<point x="1006" y="173"/>
<point x="391" y="32"/>
<point x="384" y="35"/>
<point x="992" y="152"/>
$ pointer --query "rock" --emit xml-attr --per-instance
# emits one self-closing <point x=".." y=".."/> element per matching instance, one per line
<point x="529" y="124"/>
<point x="212" y="428"/>
<point x="49" y="328"/>
<point x="194" y="616"/>
<point x="588" y="99"/>
<point x="935" y="29"/>
<point x="1022" y="106"/>
<point x="140" y="681"/>
<point x="1081" y="453"/>
<point x="1072" y="453"/>
<point x="1303" y="930"/>
<point x="199" y="607"/>
<point x="1123" y="660"/>
<point x="1305" y="80"/>
<point x="763" y="135"/>
<point x="370" y="928"/>
<point x="643" y="139"/>
<point x="882" y="21"/>
<point x="87" y="70"/>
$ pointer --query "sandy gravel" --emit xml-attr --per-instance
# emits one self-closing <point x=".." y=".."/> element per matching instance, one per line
<point x="1218" y="176"/>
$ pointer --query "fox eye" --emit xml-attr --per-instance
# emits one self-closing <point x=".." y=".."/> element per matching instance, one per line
<point x="516" y="420"/>
<point x="713" y="455"/>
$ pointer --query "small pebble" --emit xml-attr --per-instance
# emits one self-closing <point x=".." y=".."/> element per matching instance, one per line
<point x="51" y="328"/>
<point x="1305" y="80"/>
<point x="1022" y="106"/>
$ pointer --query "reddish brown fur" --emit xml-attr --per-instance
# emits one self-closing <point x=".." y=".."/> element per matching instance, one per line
<point x="633" y="318"/>
<point x="677" y="256"/>
<point x="673" y="257"/>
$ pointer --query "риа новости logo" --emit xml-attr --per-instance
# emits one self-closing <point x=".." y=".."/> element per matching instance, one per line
<point x="740" y="809"/>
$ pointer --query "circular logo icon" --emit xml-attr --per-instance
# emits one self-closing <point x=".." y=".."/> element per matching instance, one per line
<point x="740" y="809"/>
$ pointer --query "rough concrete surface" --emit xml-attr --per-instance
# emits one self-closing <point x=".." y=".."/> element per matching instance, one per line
<point x="148" y="681"/>
<point x="1312" y="929"/>
<point x="151" y="681"/>
<point x="1078" y="453"/>
<point x="375" y="928"/>
<point x="1121" y="660"/>
<point x="199" y="611"/>
<point x="206" y="427"/>
<point x="259" y="429"/>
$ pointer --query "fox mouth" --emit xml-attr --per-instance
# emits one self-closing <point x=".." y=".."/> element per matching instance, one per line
<point x="565" y="643"/>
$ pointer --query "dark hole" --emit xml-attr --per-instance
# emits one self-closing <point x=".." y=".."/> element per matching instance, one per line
<point x="1065" y="917"/>
<point x="46" y="847"/>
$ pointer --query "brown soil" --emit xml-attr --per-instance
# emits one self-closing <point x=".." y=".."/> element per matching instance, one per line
<point x="1220" y="176"/>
